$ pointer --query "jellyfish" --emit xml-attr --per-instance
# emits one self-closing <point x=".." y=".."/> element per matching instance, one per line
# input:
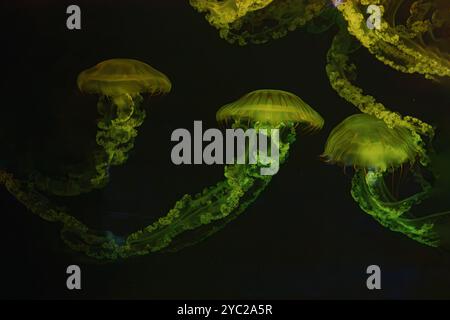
<point x="418" y="42"/>
<point x="258" y="21"/>
<point x="262" y="110"/>
<point x="120" y="85"/>
<point x="199" y="215"/>
<point x="374" y="150"/>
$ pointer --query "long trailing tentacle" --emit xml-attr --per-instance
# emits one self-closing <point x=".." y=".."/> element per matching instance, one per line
<point x="117" y="129"/>
<point x="402" y="46"/>
<point x="121" y="116"/>
<point x="213" y="207"/>
<point x="370" y="192"/>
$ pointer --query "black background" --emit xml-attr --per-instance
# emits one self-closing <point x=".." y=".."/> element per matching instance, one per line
<point x="303" y="238"/>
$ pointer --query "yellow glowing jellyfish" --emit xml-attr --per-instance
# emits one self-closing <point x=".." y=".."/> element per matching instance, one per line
<point x="120" y="85"/>
<point x="373" y="149"/>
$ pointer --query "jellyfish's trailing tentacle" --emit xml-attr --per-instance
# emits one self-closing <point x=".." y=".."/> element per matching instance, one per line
<point x="340" y="73"/>
<point x="412" y="46"/>
<point x="218" y="204"/>
<point x="208" y="230"/>
<point x="122" y="114"/>
<point x="213" y="208"/>
<point x="257" y="21"/>
<point x="72" y="184"/>
<point x="258" y="186"/>
<point x="77" y="179"/>
<point x="372" y="195"/>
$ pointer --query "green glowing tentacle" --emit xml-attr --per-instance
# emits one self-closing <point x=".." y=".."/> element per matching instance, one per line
<point x="220" y="203"/>
<point x="121" y="115"/>
<point x="259" y="185"/>
<point x="401" y="46"/>
<point x="370" y="192"/>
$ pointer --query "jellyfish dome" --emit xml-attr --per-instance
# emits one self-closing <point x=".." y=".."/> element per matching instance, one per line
<point x="120" y="76"/>
<point x="364" y="141"/>
<point x="271" y="107"/>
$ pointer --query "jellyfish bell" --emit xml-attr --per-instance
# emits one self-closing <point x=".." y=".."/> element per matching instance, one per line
<point x="271" y="107"/>
<point x="123" y="76"/>
<point x="364" y="141"/>
<point x="269" y="115"/>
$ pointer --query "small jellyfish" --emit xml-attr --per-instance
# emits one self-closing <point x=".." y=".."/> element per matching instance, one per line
<point x="374" y="150"/>
<point x="120" y="85"/>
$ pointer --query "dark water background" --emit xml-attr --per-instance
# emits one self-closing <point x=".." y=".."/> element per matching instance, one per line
<point x="303" y="238"/>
